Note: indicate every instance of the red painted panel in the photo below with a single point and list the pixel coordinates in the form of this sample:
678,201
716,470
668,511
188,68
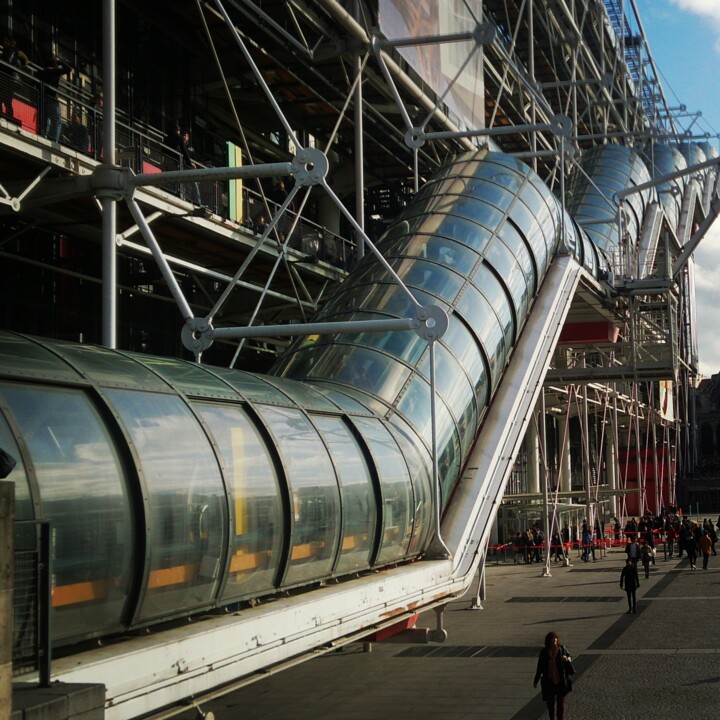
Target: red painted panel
26,114
588,333
149,167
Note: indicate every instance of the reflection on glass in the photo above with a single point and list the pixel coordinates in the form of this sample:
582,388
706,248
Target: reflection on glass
18,475
83,495
256,527
188,377
186,498
357,496
314,494
398,509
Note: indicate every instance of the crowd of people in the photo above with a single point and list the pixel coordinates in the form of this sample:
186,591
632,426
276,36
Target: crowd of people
640,536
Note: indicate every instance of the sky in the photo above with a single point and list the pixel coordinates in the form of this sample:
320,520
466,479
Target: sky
684,39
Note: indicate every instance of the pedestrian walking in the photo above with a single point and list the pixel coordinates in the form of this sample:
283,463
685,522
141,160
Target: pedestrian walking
646,557
705,544
554,668
632,550
630,582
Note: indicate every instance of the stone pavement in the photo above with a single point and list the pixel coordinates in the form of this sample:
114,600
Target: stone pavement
660,663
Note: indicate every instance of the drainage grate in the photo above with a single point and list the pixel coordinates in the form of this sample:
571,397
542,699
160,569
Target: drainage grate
572,599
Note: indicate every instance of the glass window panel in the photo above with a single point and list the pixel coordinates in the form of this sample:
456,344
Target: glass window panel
314,494
251,386
405,345
256,527
465,231
506,267
512,238
480,315
504,177
357,495
452,383
187,527
442,250
109,367
301,394
420,467
433,278
22,356
480,211
365,369
84,496
188,377
449,467
341,399
398,510
23,502
299,364
463,345
415,406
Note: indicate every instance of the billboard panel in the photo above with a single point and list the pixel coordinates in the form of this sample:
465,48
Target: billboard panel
438,63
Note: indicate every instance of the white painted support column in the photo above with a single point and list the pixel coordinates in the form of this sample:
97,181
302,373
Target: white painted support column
532,453
565,466
611,465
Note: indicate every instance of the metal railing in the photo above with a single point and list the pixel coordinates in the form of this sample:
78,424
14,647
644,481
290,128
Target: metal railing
31,647
71,118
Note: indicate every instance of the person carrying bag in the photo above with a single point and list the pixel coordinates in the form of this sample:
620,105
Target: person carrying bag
554,668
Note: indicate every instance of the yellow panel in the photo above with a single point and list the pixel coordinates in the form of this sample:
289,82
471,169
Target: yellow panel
237,443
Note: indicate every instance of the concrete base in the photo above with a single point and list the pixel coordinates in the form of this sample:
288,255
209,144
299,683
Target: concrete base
60,701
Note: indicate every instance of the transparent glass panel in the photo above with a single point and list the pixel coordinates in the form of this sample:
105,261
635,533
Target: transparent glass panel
443,251
480,314
341,399
187,526
363,368
84,496
430,277
398,510
357,496
449,466
301,394
251,387
405,345
419,465
20,356
188,377
108,367
314,494
415,406
18,475
256,516
465,231
463,345
512,238
506,267
452,383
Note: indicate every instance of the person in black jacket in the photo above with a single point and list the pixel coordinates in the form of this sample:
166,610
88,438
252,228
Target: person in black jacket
15,58
630,582
50,75
554,666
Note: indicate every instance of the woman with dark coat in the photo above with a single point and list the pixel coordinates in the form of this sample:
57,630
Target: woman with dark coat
551,673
